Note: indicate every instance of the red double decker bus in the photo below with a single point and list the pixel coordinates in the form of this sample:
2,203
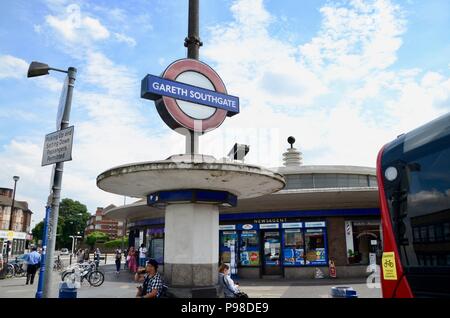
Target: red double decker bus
413,175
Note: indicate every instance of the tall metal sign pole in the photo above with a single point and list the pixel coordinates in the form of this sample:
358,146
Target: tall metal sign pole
193,43
52,220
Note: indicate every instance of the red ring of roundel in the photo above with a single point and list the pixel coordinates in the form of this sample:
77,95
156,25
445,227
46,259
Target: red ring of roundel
172,72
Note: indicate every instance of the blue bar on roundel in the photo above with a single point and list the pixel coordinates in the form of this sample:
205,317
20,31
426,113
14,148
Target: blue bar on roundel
153,87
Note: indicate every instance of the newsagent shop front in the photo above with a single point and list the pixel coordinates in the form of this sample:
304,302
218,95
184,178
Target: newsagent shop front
257,250
289,244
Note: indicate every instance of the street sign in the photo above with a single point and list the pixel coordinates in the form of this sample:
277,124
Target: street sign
191,95
62,103
58,146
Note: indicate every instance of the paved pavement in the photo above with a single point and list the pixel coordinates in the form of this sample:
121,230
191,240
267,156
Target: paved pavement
123,286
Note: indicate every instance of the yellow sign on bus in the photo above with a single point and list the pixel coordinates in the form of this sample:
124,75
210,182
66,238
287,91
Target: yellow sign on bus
389,268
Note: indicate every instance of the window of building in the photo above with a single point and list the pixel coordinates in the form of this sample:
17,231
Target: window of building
447,231
249,249
157,249
439,231
315,247
416,234
293,247
431,233
424,234
363,239
228,240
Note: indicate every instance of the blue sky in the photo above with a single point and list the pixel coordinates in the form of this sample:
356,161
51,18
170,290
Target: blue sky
344,77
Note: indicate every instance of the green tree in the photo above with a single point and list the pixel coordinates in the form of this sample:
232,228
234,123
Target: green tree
117,243
95,237
38,232
73,217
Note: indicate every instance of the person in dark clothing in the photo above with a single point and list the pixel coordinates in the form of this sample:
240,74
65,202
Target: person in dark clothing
118,260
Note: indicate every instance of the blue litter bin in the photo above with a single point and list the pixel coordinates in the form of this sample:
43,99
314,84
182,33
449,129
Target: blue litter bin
67,292
343,292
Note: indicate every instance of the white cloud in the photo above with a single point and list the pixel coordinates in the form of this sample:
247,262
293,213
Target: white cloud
77,28
125,39
338,94
12,67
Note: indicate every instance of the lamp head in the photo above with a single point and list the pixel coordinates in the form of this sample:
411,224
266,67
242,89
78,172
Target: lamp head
37,69
16,178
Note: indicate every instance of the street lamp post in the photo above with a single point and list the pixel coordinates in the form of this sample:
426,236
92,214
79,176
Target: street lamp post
15,178
74,238
52,209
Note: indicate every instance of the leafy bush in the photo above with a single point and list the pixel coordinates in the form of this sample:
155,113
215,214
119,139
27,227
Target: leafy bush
117,243
95,237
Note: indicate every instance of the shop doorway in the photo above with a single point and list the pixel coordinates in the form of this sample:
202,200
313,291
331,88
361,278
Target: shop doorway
271,249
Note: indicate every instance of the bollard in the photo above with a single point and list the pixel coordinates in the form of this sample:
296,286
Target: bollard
67,292
106,255
70,260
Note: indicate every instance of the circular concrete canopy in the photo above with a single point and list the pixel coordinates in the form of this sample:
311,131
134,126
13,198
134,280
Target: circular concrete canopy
190,172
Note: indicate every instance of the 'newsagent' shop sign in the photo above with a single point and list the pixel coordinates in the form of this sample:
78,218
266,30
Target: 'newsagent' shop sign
190,94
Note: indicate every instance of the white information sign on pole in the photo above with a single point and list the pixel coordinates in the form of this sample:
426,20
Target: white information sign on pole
58,146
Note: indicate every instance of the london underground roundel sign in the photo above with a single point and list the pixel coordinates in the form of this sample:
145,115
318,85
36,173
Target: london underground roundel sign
190,94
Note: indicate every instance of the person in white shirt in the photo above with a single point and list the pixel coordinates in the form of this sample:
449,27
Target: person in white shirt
142,255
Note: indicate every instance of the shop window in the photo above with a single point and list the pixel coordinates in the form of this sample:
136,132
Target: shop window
157,249
249,249
272,248
366,241
293,247
416,234
373,181
315,247
431,233
227,240
447,231
424,234
439,231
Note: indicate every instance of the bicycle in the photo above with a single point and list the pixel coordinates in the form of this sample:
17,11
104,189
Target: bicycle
15,270
19,271
9,270
58,265
85,271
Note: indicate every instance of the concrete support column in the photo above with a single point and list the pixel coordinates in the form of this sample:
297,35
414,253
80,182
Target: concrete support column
191,247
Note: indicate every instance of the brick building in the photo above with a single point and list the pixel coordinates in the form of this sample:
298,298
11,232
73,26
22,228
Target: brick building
19,234
98,223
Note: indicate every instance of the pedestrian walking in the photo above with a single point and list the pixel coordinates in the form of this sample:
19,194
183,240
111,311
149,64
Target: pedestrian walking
142,255
80,256
152,285
125,255
33,260
118,260
1,266
132,265
86,254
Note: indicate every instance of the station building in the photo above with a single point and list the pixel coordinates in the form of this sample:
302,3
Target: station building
324,213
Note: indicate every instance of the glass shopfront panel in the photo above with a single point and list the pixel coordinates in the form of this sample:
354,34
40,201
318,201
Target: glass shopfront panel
249,248
293,247
272,248
315,247
157,250
228,239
